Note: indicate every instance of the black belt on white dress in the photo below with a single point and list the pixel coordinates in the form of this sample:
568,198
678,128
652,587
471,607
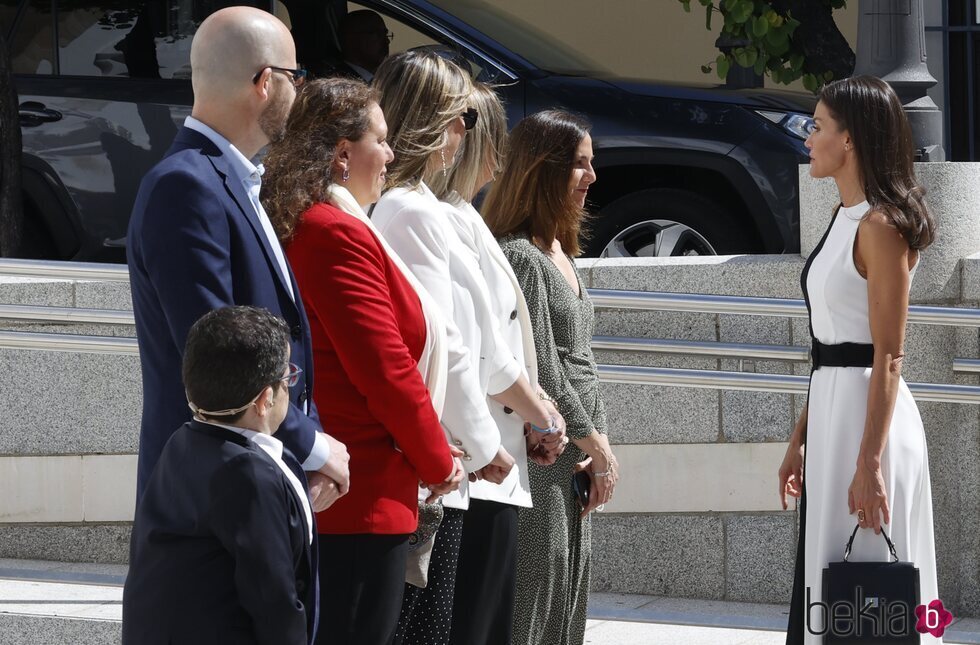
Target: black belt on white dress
841,355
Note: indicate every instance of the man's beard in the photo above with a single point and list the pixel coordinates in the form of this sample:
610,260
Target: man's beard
274,116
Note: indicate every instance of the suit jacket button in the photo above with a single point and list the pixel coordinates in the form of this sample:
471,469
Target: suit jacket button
467,458
457,443
296,332
513,315
508,410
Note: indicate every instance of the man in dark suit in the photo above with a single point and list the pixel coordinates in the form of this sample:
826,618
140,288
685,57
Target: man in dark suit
199,238
222,546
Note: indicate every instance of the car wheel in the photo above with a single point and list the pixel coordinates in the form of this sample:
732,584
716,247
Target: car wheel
666,222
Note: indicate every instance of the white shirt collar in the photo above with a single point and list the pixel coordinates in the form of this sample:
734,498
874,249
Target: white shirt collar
244,169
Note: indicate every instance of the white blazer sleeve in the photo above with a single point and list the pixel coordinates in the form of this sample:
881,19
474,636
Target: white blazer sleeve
499,366
419,238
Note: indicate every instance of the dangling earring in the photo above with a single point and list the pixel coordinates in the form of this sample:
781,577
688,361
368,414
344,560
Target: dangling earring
346,175
442,153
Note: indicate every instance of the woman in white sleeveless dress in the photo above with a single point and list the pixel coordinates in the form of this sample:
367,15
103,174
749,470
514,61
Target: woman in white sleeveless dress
865,452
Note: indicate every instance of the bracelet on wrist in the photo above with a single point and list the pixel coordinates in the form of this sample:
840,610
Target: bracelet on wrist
545,397
551,428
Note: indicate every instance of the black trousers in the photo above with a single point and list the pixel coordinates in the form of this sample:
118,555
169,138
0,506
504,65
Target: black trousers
361,581
483,607
426,614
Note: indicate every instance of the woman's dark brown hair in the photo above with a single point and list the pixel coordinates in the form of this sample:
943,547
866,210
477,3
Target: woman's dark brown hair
868,108
298,168
532,193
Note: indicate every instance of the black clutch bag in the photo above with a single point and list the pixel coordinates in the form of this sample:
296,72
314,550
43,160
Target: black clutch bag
581,487
869,603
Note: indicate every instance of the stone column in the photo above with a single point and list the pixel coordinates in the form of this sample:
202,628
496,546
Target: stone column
892,46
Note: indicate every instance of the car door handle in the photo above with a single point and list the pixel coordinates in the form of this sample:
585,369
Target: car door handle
33,114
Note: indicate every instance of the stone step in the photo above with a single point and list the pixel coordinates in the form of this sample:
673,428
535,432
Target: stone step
57,602
45,602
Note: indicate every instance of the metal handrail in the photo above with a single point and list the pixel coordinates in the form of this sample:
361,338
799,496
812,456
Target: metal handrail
968,365
752,382
754,306
68,343
629,374
37,314
702,348
65,270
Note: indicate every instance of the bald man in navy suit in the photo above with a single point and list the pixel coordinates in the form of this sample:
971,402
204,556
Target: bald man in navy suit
199,238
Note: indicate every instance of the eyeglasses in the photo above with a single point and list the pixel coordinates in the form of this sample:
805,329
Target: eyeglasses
292,377
297,76
469,118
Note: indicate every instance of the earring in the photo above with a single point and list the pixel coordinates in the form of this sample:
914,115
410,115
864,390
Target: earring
346,174
442,153
847,146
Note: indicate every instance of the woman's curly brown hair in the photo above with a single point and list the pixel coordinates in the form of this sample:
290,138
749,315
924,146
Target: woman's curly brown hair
299,168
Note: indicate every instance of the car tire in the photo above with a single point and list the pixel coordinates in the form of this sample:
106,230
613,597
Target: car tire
667,222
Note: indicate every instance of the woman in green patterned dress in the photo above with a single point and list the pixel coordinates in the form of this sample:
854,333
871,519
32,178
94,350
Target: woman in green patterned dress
535,209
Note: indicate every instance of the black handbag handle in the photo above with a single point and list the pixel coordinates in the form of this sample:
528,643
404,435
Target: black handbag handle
847,549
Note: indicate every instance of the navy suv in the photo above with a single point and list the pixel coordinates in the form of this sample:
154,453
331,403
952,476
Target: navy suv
683,170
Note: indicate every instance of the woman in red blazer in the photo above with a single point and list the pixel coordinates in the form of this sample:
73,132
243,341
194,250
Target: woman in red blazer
375,352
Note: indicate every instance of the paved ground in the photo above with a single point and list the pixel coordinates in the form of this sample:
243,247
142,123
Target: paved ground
56,602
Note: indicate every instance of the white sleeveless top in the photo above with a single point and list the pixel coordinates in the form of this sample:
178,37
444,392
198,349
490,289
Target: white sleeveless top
837,294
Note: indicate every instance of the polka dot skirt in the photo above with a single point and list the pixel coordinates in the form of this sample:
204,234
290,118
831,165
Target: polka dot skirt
427,614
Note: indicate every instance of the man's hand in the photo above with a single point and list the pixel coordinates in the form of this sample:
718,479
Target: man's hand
323,491
498,469
337,467
452,482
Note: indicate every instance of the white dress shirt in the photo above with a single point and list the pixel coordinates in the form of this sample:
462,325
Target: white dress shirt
273,447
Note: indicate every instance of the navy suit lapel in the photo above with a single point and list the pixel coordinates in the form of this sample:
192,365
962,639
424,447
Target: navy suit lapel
237,191
190,138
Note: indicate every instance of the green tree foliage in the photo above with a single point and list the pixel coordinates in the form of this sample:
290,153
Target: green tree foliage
773,43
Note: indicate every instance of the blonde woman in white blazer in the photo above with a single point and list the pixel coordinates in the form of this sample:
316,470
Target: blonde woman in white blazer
425,98
483,608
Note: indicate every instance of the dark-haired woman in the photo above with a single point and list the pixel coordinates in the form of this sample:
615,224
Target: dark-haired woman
866,459
536,208
380,351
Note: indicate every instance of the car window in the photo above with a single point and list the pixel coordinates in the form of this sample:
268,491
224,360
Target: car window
8,11
148,39
405,36
32,46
